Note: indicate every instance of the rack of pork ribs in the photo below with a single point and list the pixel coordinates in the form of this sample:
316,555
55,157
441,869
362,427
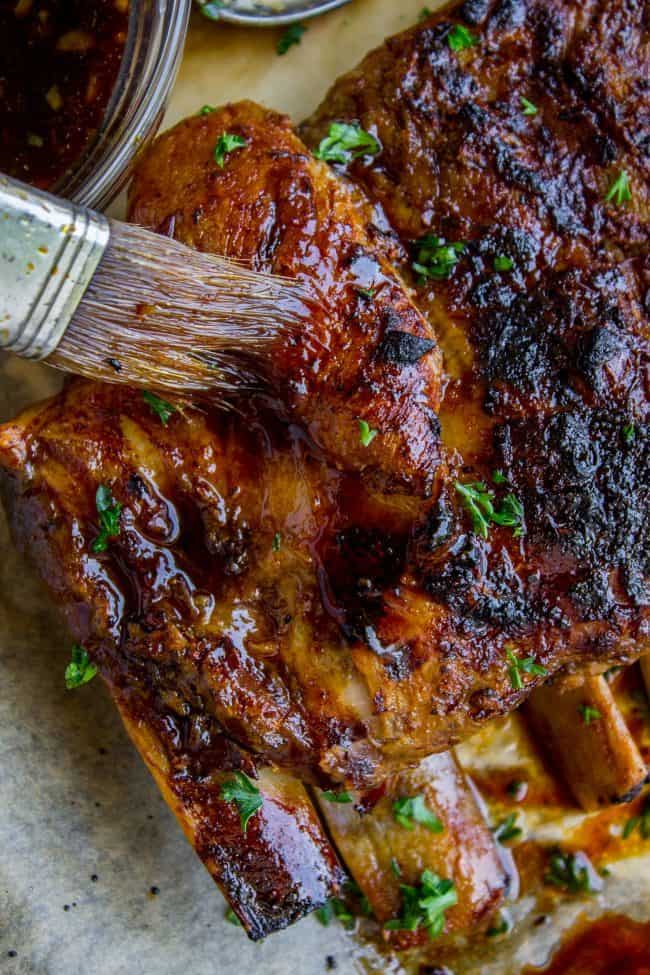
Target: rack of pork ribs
319,612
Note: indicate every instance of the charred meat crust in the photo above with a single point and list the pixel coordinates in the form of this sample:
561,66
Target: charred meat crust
380,629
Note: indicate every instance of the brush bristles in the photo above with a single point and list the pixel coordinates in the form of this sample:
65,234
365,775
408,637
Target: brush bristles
158,314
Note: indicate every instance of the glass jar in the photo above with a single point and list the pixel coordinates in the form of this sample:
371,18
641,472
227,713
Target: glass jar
152,54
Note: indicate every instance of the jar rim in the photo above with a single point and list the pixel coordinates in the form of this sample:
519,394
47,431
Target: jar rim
150,62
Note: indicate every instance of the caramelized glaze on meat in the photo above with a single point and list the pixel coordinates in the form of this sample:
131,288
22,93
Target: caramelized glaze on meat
278,209
383,628
281,592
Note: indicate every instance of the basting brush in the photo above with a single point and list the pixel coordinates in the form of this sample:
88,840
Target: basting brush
112,301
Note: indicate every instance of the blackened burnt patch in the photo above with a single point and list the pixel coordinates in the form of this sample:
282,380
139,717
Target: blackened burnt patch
585,489
404,349
555,343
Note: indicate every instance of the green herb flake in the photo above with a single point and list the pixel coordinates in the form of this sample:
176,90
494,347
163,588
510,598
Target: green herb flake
503,925
503,263
498,477
340,797
517,789
246,796
425,905
352,887
232,918
437,258
277,542
228,142
589,714
459,38
479,501
527,107
629,433
424,14
413,809
522,665
212,9
292,35
640,822
507,830
366,433
571,872
324,914
345,142
367,293
395,868
109,511
619,191
206,110
160,407
80,670
335,908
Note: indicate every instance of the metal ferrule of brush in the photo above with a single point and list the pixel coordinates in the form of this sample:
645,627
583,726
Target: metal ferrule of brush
49,251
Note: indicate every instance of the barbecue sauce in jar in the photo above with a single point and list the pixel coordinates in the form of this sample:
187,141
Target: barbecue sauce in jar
59,61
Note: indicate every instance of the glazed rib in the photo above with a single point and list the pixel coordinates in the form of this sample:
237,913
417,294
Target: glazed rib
280,591
381,854
404,620
283,866
592,750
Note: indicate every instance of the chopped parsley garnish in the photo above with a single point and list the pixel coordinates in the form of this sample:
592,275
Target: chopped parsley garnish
589,714
277,542
246,796
162,409
80,670
232,918
640,822
352,887
479,501
425,905
212,9
335,907
499,477
460,38
424,13
527,107
522,665
502,925
344,142
228,142
570,871
507,829
291,36
109,511
619,190
368,293
341,797
517,789
413,809
503,263
206,110
395,868
437,258
366,433
629,433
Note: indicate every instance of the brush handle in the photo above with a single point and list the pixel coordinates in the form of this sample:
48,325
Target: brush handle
49,251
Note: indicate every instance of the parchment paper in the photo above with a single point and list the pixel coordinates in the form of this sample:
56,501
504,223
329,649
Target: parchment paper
95,876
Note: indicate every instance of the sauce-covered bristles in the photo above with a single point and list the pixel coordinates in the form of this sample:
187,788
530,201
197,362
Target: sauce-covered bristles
160,315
